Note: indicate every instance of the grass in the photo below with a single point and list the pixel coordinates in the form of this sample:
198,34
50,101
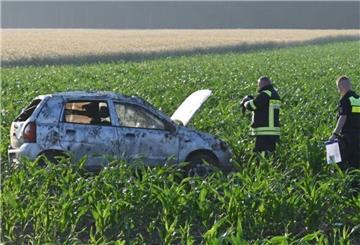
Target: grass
298,198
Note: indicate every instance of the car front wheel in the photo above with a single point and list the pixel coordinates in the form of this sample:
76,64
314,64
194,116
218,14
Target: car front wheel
201,164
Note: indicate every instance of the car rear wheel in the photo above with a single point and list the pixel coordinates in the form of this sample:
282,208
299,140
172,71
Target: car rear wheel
53,157
201,164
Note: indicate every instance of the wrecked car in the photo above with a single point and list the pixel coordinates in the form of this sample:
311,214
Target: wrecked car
105,125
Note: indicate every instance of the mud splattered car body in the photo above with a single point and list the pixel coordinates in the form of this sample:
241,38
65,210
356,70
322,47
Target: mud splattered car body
105,125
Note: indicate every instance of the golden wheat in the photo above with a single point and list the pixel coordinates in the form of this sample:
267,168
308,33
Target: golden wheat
20,44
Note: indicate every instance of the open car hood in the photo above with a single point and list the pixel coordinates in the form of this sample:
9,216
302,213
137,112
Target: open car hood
190,106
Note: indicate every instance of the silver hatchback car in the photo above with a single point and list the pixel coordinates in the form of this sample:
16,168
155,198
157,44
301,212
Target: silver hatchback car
105,126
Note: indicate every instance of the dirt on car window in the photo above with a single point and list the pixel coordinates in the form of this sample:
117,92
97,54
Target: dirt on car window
136,117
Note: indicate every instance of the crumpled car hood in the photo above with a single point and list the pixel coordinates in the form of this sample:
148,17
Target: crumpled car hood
190,106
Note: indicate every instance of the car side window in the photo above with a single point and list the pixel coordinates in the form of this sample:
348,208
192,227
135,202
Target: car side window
87,112
137,117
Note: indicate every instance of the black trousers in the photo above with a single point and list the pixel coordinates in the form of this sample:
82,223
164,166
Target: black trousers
266,143
350,150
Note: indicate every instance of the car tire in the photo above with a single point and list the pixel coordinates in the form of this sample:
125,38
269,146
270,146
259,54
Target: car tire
201,164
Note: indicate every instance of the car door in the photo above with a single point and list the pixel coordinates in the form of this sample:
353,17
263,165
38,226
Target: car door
87,130
144,136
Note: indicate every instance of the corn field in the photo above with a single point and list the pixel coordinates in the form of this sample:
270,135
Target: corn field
295,198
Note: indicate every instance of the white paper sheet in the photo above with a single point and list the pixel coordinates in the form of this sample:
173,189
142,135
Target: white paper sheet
333,153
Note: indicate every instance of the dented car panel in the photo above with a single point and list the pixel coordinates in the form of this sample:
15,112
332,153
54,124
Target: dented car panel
193,140
148,145
97,142
104,126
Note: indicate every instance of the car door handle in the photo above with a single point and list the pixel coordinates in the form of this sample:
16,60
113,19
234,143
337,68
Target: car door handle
130,135
70,131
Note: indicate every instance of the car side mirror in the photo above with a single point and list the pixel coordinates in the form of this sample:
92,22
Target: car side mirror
170,127
178,122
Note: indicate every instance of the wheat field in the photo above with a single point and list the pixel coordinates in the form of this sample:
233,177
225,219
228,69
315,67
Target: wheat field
27,44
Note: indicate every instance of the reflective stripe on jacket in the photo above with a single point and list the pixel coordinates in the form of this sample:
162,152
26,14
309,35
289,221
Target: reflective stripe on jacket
266,109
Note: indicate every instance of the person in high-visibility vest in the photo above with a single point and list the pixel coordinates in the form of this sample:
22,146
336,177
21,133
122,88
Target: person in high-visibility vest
347,129
265,119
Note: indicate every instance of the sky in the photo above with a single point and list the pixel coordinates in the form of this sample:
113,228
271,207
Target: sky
183,15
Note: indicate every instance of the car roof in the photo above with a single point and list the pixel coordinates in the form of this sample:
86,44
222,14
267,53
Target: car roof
93,94
99,95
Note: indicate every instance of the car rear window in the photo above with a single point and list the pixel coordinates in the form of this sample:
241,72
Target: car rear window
28,111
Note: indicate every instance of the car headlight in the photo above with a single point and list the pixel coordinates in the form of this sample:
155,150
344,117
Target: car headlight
220,145
224,146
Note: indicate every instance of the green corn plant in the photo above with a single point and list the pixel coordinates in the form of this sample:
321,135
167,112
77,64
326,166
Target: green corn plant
295,198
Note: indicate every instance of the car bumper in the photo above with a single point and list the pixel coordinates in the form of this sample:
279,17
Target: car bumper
28,150
225,160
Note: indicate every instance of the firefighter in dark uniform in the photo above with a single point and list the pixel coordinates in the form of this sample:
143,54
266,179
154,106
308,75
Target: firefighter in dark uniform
347,129
265,108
